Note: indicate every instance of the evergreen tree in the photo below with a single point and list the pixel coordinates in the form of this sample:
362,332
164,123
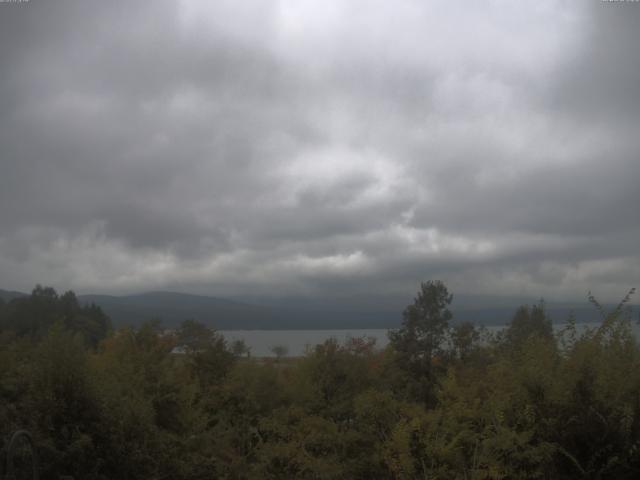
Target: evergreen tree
419,343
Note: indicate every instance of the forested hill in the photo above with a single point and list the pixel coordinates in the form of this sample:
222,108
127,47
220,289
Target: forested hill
222,314
258,314
291,313
7,295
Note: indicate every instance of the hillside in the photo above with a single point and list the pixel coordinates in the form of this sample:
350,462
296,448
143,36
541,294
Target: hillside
254,313
358,313
225,314
8,295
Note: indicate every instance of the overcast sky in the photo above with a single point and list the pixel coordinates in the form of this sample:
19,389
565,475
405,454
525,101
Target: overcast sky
320,147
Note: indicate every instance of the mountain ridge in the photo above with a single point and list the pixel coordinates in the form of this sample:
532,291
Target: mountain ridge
291,313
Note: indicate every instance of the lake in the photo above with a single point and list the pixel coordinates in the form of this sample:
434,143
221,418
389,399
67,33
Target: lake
297,341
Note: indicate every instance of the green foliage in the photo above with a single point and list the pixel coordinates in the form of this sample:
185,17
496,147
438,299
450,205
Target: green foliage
525,405
195,336
425,323
208,358
240,348
464,339
528,322
34,315
331,375
419,343
66,402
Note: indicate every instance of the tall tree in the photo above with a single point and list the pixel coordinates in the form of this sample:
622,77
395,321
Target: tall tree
529,322
209,358
464,338
420,340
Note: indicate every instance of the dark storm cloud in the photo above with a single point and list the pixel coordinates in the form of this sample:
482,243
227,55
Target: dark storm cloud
303,147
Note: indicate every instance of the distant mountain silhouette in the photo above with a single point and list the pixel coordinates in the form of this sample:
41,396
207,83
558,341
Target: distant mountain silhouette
7,295
224,314
312,313
295,313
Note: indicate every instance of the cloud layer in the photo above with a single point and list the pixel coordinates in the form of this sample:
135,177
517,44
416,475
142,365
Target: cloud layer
303,147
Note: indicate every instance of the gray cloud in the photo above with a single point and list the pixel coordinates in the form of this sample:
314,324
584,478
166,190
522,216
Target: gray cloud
326,148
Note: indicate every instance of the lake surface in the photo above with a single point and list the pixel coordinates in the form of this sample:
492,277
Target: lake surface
297,341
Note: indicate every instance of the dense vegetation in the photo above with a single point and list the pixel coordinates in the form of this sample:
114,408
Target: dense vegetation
441,401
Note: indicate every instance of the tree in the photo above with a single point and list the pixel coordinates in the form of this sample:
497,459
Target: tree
464,337
421,338
425,323
35,314
529,322
2,314
279,351
194,335
208,356
66,403
239,348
